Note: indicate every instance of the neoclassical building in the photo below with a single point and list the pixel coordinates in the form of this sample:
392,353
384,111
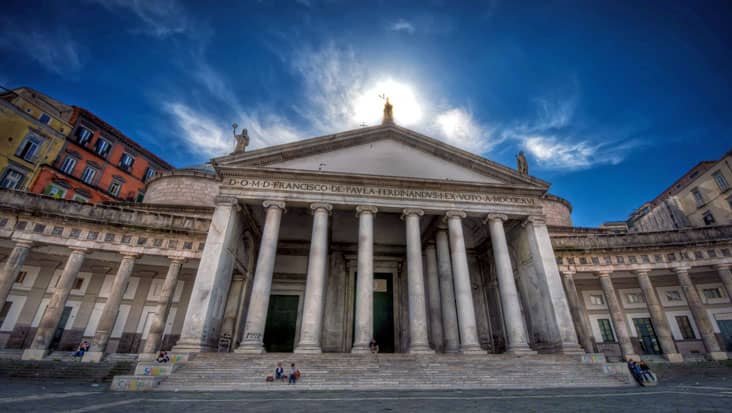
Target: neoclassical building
324,244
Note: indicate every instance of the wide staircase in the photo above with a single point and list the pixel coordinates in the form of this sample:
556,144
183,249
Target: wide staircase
230,371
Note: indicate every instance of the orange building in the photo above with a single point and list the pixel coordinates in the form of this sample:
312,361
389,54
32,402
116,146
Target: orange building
98,163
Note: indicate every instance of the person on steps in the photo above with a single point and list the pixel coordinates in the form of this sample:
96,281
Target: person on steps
280,372
373,346
163,357
83,348
294,374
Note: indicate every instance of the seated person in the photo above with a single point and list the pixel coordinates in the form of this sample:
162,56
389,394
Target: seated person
280,372
163,357
373,346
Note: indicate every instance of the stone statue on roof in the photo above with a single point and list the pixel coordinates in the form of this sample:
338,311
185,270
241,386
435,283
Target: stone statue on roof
388,112
521,165
242,139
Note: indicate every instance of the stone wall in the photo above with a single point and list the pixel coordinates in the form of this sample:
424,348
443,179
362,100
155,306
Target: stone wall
558,211
183,187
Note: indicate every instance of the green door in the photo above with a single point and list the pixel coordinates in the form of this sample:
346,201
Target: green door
725,329
647,336
383,311
279,332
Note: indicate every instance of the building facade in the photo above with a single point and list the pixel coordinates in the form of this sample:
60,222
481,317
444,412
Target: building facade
324,244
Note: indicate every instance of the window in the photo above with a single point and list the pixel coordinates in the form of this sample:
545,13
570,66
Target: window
114,188
712,293
28,149
88,175
54,191
12,179
149,173
83,135
67,166
606,330
633,298
597,299
80,198
729,201
140,196
44,119
720,180
697,197
673,295
126,161
708,218
78,283
21,277
102,147
685,327
4,311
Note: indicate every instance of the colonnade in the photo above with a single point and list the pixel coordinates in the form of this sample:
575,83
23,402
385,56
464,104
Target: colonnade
657,314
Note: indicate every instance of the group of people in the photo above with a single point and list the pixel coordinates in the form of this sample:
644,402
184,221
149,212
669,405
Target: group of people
280,375
641,371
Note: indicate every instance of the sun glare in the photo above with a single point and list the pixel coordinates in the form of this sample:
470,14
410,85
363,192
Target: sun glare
368,108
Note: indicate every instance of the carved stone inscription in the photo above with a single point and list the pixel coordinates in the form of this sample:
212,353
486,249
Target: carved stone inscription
382,192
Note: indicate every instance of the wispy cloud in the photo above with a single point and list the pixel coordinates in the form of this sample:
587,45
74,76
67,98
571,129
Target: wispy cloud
158,18
403,26
458,127
55,50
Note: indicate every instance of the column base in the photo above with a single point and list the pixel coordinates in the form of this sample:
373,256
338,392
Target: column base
674,357
521,351
421,349
308,349
572,349
192,347
250,349
93,357
34,354
472,350
360,349
717,355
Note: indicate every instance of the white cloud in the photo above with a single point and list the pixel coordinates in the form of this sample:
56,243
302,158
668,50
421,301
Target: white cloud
458,127
55,50
551,152
159,18
402,25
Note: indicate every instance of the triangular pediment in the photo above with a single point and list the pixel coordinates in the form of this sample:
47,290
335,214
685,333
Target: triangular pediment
387,151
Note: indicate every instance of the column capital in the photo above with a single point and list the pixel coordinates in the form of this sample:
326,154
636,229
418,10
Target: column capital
605,272
534,220
493,217
318,205
369,209
641,271
412,211
130,254
430,244
722,267
568,273
25,243
274,204
80,250
174,259
226,201
455,213
681,269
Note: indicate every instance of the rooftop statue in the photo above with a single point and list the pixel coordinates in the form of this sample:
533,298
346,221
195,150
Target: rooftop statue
388,113
521,165
242,139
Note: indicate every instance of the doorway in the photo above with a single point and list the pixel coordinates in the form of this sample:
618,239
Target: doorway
59,332
647,336
279,331
383,315
725,330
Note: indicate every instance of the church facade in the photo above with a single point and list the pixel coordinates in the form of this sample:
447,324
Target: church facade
330,244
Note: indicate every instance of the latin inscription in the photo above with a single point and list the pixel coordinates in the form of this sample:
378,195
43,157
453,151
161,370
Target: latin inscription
363,190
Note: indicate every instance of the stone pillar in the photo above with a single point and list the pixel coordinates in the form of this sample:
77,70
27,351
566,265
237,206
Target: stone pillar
469,342
433,287
44,334
516,340
447,292
658,317
578,312
201,325
12,267
312,317
545,263
157,327
418,341
110,310
726,276
618,316
700,314
364,322
259,301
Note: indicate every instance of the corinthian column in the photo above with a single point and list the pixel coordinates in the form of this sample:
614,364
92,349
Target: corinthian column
157,327
469,342
516,341
364,323
701,317
578,312
447,292
12,267
259,301
111,308
418,341
52,316
658,316
433,286
618,315
312,319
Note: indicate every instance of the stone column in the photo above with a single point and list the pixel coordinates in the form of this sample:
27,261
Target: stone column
157,327
618,315
110,310
578,312
516,340
469,342
726,276
433,287
312,317
200,331
447,292
700,314
12,267
44,334
418,341
259,301
364,322
658,317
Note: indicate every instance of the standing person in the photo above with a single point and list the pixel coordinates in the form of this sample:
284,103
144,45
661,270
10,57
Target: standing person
294,374
280,372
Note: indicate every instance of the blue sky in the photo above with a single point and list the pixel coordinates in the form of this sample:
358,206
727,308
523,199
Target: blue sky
611,102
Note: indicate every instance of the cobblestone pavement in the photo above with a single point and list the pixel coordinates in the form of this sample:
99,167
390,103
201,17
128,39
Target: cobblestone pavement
697,391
